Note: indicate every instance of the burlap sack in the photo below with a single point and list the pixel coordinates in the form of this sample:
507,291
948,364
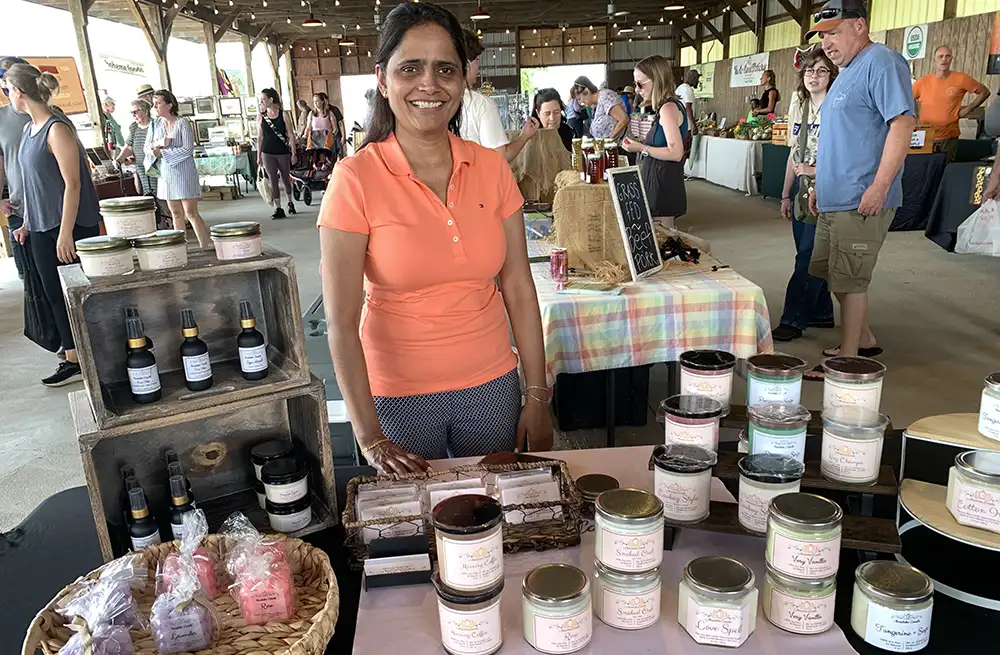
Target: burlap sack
587,226
537,165
567,178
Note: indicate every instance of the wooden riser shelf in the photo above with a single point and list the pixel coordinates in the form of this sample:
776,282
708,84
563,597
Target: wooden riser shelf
886,485
960,430
928,503
738,419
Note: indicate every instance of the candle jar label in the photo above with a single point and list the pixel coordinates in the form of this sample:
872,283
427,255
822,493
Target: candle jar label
718,387
197,367
847,394
564,635
755,499
804,616
471,633
850,460
805,559
778,442
989,416
630,611
684,497
253,360
152,259
787,391
718,626
144,380
472,565
632,552
898,631
975,506
705,435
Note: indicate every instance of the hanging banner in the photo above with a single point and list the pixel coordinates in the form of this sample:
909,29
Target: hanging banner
993,64
706,83
915,42
746,70
123,66
70,97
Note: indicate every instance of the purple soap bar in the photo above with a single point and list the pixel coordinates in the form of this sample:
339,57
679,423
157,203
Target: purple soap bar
108,640
181,631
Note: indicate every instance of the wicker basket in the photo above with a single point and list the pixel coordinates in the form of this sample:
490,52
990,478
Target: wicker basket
317,604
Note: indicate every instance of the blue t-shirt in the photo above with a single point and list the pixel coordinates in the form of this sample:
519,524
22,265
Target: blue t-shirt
868,93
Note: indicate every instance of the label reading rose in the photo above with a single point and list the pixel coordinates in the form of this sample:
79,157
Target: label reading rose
563,635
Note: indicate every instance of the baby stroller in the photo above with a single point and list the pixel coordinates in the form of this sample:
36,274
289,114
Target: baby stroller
311,173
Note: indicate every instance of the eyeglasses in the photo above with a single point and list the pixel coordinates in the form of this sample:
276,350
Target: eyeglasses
6,91
815,72
136,111
827,14
639,84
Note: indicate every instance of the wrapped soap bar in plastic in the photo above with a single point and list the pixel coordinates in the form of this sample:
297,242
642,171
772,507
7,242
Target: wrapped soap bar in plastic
130,573
195,530
262,580
92,614
183,618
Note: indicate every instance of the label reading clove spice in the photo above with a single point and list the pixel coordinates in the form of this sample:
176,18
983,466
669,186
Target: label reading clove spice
197,367
144,380
253,360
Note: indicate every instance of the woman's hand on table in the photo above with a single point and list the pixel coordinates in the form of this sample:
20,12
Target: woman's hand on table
631,145
388,458
534,429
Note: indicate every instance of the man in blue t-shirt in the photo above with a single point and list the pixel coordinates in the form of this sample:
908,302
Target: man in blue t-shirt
868,118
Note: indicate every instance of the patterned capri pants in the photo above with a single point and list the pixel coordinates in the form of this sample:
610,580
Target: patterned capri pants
464,423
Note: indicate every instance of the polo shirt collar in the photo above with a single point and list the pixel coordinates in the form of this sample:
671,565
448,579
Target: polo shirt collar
395,160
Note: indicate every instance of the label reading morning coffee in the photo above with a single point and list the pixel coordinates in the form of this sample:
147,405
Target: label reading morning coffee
253,360
197,367
975,506
898,631
717,626
563,635
850,460
777,442
684,497
705,435
631,552
472,565
989,417
144,380
718,387
760,391
804,559
804,616
630,611
842,394
471,633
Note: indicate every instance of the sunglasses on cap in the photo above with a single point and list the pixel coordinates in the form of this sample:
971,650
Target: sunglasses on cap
838,13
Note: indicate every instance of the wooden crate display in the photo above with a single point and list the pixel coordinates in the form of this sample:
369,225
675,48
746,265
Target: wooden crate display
213,289
214,447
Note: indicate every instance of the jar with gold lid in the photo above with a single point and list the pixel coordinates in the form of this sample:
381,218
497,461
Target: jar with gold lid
161,249
590,487
468,532
104,256
628,530
717,601
557,609
892,605
240,240
803,536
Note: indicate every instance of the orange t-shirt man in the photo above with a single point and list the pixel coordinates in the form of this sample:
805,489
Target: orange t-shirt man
941,100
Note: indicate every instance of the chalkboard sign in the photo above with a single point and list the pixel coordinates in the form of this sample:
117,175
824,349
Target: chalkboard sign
635,221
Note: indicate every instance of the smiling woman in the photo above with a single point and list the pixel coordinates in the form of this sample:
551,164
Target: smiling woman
426,223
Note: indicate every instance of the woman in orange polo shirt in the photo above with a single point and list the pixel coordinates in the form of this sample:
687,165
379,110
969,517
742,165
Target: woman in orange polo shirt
425,222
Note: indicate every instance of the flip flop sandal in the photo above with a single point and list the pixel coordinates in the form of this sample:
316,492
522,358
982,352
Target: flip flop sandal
874,351
816,374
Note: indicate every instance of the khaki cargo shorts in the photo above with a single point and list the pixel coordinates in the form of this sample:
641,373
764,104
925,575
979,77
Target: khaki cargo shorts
846,248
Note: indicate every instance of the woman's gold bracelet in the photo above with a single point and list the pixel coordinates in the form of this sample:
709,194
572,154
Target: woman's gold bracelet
543,401
378,442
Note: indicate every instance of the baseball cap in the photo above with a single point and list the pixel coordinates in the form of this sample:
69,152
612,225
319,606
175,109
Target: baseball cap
834,12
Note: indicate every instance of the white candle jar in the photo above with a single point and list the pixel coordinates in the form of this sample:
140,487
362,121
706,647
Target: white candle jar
774,378
161,250
804,607
590,487
627,601
717,601
974,489
286,480
852,382
682,480
708,373
803,536
628,530
557,609
691,421
468,533
240,240
470,623
892,605
763,478
289,517
852,444
129,217
989,408
778,429
105,256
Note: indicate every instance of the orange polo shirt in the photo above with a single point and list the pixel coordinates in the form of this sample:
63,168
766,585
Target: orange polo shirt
941,100
433,319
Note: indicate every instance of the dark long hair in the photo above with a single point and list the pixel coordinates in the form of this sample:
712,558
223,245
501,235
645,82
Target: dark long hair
815,56
543,96
272,95
168,97
401,20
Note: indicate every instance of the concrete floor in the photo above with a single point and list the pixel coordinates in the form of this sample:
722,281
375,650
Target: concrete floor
937,315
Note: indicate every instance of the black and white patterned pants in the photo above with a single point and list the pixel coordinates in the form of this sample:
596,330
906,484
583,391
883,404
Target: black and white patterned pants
464,423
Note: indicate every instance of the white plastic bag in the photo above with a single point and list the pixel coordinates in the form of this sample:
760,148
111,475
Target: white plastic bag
264,186
979,234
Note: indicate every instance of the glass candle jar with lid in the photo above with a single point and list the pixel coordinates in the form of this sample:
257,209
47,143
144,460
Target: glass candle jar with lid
852,382
162,249
682,480
774,378
557,609
105,256
989,408
708,373
763,478
892,605
804,607
628,530
239,240
628,601
692,421
468,532
129,216
717,601
803,536
852,444
778,429
590,487
470,623
974,489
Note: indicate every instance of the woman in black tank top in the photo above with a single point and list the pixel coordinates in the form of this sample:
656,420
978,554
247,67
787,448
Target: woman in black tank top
276,149
768,103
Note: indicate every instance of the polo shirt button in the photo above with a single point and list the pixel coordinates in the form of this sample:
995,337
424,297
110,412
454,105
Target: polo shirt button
455,239
452,187
451,222
451,204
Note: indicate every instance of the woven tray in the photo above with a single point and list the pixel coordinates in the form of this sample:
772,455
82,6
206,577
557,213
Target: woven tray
534,535
317,603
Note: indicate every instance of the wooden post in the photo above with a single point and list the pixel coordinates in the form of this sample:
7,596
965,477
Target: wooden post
213,70
699,38
806,22
78,11
727,32
248,66
761,24
950,9
158,27
287,53
272,57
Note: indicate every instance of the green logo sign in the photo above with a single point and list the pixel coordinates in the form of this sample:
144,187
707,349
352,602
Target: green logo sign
914,42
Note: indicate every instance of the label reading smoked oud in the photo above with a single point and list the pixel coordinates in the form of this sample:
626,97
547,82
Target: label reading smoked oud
631,552
144,380
630,611
253,360
197,367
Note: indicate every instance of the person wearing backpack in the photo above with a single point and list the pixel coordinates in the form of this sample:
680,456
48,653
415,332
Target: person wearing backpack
276,151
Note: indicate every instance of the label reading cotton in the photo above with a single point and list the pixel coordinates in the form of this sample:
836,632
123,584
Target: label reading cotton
144,380
197,367
253,360
898,631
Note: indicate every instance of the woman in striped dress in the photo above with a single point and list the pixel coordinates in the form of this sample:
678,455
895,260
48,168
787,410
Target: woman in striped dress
170,147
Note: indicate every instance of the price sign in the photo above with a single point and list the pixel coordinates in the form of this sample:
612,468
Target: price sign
635,221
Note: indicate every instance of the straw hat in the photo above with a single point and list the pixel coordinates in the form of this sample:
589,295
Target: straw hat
143,90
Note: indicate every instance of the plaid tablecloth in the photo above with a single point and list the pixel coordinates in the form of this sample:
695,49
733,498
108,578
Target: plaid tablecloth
651,321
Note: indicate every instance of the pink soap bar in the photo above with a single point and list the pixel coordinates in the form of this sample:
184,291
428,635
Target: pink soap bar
205,564
270,599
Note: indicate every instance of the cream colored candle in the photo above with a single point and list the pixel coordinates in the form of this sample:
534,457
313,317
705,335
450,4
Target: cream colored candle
892,606
717,601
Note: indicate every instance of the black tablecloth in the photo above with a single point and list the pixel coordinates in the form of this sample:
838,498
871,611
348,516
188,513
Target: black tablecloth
921,179
953,204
